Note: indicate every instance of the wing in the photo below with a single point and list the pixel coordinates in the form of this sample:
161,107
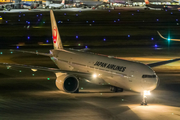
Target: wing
37,53
162,62
167,38
55,70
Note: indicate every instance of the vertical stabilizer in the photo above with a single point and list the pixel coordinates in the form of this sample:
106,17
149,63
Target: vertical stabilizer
55,32
63,2
147,2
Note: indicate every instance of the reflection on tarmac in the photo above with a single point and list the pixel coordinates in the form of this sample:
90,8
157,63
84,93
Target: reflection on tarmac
27,96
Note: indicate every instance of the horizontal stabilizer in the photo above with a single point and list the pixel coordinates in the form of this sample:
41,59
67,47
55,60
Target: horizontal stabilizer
162,62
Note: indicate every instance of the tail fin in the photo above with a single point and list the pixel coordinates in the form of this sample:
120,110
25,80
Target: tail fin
55,33
147,2
63,2
105,0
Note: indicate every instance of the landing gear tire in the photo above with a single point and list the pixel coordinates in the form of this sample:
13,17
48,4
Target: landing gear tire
116,89
144,101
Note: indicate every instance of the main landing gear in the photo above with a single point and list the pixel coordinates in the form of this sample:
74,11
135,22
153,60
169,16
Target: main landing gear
116,89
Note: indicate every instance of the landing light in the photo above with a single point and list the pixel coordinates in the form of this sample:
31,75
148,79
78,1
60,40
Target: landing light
147,92
94,75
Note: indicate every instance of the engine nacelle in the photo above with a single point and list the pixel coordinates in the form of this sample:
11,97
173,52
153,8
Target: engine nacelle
67,83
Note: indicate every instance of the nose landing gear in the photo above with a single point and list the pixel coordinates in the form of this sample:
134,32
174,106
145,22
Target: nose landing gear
144,100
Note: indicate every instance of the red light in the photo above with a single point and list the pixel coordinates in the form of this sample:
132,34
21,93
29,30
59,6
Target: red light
54,34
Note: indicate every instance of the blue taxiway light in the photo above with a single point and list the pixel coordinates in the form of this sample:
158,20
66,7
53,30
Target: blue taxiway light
28,37
114,21
59,21
23,14
157,19
137,10
152,38
128,35
76,36
171,13
118,19
18,19
104,39
155,45
19,15
109,11
132,14
28,22
67,19
41,14
17,47
76,14
37,15
86,46
47,41
176,19
119,13
93,21
6,21
64,13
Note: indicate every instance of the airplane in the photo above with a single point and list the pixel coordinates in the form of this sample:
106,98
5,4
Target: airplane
30,5
162,7
74,66
167,38
93,4
5,6
56,5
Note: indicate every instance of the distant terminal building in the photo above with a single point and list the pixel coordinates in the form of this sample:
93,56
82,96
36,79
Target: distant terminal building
113,2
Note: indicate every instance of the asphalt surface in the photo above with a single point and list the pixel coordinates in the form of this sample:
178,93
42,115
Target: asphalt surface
29,95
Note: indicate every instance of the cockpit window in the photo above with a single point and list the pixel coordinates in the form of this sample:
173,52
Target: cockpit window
149,76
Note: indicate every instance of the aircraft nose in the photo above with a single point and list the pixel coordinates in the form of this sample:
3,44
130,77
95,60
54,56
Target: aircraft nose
150,83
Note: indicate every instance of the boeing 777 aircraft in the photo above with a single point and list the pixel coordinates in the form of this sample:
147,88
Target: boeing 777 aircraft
56,5
163,7
93,4
118,73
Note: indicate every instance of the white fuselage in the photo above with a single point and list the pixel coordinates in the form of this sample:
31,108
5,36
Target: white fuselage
116,72
54,5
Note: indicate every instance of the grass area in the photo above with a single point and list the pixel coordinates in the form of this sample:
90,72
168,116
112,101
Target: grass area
92,27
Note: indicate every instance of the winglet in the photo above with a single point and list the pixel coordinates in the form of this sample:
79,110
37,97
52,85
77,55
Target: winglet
55,32
161,35
167,38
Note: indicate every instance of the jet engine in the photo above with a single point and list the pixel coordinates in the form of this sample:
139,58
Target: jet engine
67,83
